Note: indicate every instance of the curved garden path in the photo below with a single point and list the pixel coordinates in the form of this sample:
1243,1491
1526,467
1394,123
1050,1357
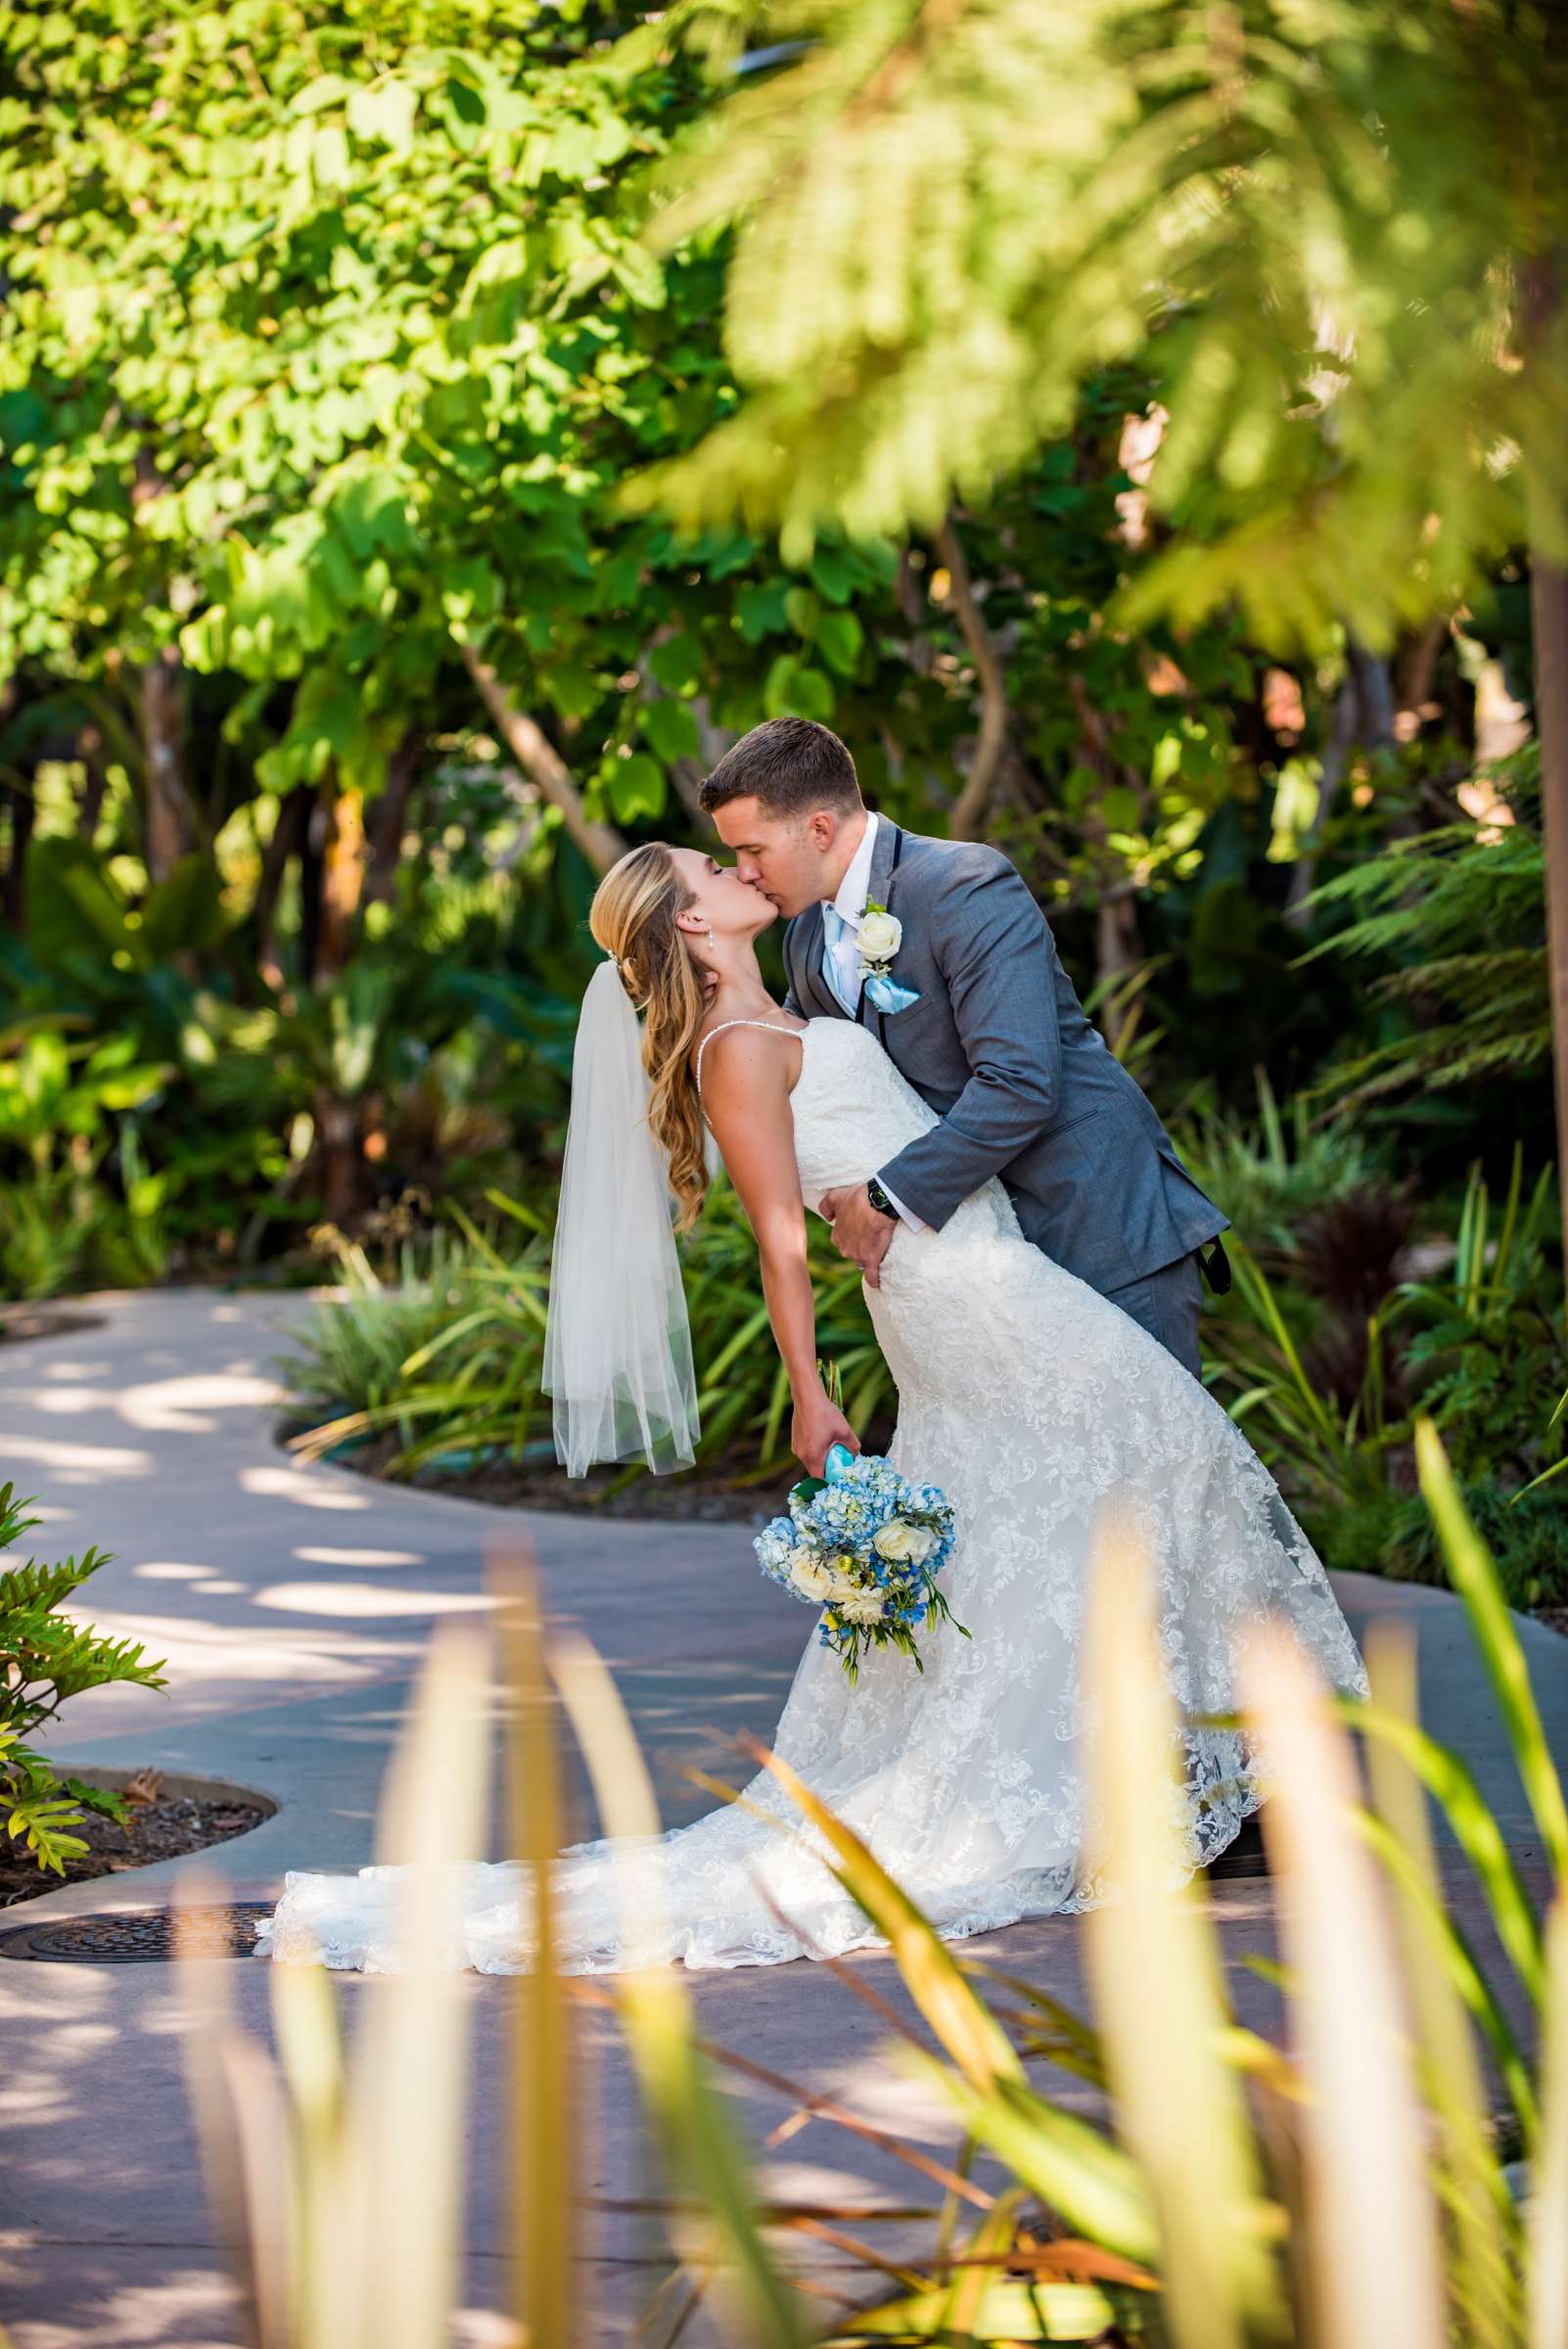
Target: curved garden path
292,1604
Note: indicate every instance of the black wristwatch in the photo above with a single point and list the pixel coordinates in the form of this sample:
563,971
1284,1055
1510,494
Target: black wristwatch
880,1200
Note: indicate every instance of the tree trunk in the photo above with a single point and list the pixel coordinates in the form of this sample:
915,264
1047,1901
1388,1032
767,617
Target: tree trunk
288,835
1542,285
312,840
1118,950
14,891
338,1119
168,827
167,835
543,764
340,1158
1548,617
387,814
1363,714
1417,669
969,809
343,877
1118,938
93,752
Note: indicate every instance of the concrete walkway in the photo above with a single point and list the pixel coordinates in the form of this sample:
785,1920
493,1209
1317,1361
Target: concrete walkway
292,1604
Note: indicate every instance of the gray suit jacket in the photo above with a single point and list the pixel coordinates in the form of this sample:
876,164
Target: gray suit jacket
1001,1049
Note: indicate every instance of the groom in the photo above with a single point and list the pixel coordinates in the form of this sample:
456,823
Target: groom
974,1007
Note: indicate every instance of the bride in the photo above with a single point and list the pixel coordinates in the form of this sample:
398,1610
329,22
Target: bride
1027,1396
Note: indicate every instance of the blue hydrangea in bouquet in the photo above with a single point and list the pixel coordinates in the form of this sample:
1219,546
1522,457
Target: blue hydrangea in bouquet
865,1544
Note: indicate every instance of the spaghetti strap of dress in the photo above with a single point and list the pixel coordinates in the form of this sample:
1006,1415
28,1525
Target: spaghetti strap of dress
776,1025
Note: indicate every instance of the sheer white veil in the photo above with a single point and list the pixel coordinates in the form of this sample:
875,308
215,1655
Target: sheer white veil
616,1340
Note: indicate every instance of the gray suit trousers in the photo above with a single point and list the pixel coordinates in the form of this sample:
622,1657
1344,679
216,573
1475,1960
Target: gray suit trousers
1167,1304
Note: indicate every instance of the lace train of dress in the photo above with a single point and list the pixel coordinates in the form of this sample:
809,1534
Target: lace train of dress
1032,1402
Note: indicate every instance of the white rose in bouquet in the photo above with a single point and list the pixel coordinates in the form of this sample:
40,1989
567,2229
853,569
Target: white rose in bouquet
881,936
809,1576
903,1543
865,1607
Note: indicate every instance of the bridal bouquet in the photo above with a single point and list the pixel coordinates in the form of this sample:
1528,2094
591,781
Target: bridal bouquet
866,1546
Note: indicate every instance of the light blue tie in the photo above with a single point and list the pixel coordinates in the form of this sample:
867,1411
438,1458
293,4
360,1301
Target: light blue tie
834,925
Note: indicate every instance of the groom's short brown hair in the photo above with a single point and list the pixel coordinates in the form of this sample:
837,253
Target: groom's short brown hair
790,764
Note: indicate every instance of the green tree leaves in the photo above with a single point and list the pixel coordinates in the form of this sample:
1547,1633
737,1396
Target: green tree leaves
1309,220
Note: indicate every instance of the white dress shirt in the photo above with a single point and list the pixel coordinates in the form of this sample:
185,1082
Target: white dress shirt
841,964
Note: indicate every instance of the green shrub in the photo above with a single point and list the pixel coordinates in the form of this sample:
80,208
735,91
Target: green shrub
45,1658
1487,1343
1527,1533
1457,920
1270,1175
449,1356
351,1356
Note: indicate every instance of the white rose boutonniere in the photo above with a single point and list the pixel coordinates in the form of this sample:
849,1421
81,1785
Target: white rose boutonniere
881,936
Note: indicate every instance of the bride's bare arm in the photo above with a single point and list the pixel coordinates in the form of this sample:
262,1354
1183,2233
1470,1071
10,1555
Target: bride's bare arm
747,1097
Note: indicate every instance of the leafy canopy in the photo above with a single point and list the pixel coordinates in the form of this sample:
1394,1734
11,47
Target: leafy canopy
1312,213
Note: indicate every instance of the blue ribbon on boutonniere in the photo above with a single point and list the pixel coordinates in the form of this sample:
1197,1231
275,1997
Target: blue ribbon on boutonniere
881,936
887,994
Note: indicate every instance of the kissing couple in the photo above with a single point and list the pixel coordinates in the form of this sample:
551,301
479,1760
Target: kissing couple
1031,1250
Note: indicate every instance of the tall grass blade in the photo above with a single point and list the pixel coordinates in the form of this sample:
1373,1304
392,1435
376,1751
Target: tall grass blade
965,2027
1459,1963
408,2074
327,2198
699,2140
1476,1579
1013,2308
1484,2236
1154,1967
1453,1782
1077,2171
1373,2260
990,2239
1546,2228
240,2126
547,2089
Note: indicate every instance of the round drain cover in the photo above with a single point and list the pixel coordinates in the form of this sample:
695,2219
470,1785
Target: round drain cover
138,1936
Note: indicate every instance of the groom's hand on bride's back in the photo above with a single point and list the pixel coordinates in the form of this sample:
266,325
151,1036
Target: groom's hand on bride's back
860,1232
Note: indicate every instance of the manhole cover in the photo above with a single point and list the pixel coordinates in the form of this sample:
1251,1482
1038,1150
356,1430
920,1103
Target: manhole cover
137,1936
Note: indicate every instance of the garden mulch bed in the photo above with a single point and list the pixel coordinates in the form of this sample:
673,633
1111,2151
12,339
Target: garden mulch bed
163,1827
18,1322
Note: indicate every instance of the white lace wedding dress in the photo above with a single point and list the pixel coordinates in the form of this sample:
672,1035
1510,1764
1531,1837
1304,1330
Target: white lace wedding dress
1030,1400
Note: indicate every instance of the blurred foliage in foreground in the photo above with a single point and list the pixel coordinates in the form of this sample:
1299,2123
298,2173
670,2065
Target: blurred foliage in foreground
1329,227
1195,2185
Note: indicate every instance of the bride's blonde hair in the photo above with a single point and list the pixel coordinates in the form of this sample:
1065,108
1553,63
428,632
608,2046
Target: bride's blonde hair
633,918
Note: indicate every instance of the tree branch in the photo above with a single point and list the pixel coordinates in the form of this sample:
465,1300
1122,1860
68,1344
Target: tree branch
969,809
384,827
543,764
